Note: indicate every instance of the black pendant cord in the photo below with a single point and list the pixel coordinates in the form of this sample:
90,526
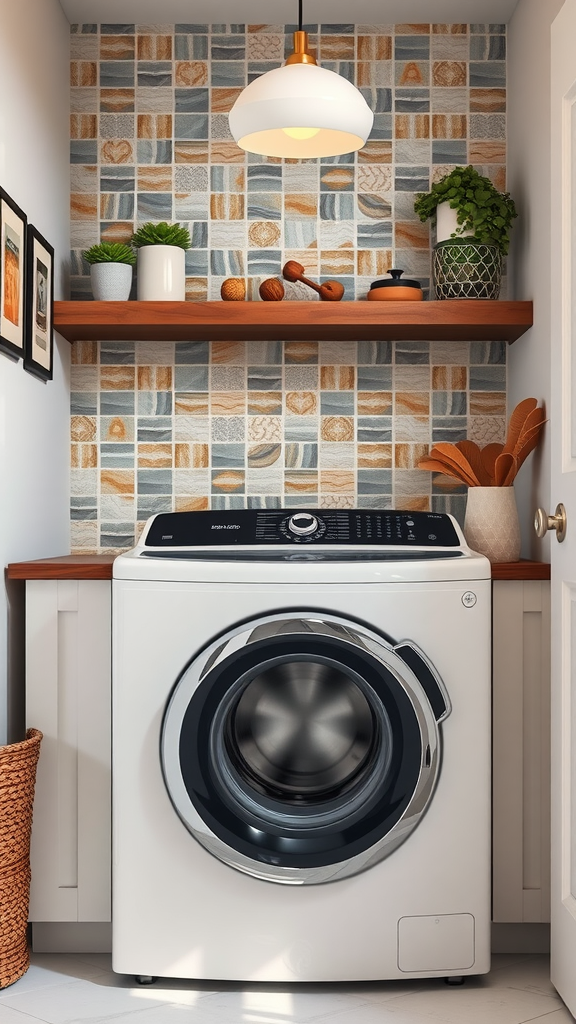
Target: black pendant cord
299,15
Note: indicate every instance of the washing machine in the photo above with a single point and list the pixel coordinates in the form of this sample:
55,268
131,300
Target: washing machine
301,748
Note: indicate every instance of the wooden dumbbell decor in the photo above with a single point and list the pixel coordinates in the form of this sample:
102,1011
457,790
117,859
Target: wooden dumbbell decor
271,290
233,289
330,291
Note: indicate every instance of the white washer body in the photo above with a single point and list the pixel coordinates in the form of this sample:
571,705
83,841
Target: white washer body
178,910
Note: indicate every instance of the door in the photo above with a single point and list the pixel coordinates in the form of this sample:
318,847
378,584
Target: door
302,747
563,438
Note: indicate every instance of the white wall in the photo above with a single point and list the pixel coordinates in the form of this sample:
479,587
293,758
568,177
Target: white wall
528,132
34,416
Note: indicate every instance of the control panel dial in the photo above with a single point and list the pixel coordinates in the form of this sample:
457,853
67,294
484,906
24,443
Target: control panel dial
302,524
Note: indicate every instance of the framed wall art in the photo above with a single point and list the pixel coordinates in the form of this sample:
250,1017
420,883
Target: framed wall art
12,283
39,305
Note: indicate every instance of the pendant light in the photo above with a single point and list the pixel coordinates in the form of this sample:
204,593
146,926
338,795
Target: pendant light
300,110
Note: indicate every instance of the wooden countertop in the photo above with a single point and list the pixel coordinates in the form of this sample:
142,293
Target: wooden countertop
99,567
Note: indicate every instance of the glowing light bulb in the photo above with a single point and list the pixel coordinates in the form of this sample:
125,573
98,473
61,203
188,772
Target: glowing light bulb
301,133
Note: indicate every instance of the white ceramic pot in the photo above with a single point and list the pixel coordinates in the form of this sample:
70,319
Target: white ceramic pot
447,223
491,525
161,273
111,282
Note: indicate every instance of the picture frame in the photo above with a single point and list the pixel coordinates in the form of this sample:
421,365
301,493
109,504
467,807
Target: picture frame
13,226
39,312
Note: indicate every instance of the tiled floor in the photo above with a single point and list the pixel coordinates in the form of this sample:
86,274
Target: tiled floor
65,989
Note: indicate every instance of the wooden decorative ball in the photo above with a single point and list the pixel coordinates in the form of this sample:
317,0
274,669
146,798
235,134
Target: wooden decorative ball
233,289
271,290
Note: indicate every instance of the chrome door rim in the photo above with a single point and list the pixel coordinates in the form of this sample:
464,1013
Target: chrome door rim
303,623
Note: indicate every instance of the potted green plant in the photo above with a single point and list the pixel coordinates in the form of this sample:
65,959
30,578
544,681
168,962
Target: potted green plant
110,270
473,221
161,261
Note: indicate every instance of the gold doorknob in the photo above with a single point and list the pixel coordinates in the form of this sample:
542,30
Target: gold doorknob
543,522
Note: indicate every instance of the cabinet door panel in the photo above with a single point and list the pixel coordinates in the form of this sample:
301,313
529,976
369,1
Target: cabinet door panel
68,698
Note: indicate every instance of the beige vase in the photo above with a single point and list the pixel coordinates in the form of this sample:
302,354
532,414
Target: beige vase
491,525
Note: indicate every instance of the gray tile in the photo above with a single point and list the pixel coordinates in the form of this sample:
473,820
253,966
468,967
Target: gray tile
154,429
231,456
154,481
188,377
116,403
376,429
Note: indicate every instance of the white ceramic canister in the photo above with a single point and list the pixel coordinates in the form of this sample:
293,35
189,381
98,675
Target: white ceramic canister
447,224
161,273
491,524
111,282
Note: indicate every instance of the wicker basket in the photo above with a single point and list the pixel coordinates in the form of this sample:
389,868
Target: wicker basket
17,778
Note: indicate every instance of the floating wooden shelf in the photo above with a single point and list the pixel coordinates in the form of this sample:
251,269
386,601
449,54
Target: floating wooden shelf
451,320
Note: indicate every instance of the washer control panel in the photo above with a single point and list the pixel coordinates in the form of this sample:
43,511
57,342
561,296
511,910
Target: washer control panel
250,527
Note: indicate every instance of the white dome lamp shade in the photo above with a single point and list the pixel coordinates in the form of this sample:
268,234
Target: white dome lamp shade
300,111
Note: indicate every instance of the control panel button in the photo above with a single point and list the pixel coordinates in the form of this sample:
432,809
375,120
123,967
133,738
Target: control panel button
469,599
302,524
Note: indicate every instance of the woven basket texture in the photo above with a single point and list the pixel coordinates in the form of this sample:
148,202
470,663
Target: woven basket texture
17,778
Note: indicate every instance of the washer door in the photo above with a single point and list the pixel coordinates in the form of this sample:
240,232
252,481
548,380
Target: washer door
303,747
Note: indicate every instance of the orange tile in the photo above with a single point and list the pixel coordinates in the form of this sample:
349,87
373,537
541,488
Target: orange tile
264,403
337,48
191,405
449,126
184,504
196,289
154,126
374,47
118,430
228,403
302,403
154,47
222,100
337,261
455,30
301,351
156,178
373,262
229,206
337,178
410,29
226,153
487,403
85,353
116,151
83,206
301,482
117,378
487,152
83,428
376,152
83,73
374,456
229,481
337,481
407,456
411,234
117,101
116,47
412,403
192,72
264,234
83,126
301,205
374,403
337,428
337,378
154,456
231,352
451,73
192,152
488,101
117,481
119,231
449,378
413,503
412,74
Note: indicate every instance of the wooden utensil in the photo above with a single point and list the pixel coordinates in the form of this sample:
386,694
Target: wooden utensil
504,469
472,452
447,452
330,291
490,453
440,467
517,419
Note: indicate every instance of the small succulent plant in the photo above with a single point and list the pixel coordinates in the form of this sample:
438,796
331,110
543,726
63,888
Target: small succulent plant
110,252
161,234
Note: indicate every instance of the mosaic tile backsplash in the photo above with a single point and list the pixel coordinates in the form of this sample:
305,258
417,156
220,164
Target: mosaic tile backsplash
164,426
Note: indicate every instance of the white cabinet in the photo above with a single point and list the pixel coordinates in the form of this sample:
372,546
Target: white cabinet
68,697
521,751
68,693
